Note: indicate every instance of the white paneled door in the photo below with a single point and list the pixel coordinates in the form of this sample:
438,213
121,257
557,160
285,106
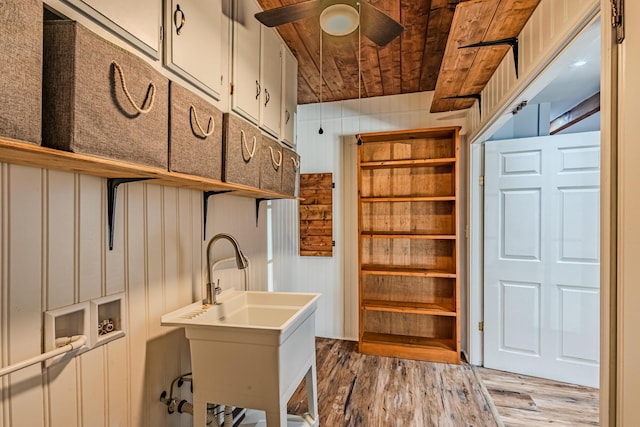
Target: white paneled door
541,287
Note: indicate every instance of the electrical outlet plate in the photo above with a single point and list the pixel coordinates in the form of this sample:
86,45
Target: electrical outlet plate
108,319
66,322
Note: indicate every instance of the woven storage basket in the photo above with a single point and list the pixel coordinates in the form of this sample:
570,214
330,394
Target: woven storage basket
241,142
290,172
271,161
195,134
21,69
101,100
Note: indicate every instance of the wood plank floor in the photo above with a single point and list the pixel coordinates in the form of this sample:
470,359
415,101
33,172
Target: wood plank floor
528,401
370,391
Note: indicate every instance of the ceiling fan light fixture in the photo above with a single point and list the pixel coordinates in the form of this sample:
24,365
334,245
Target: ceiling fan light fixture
339,19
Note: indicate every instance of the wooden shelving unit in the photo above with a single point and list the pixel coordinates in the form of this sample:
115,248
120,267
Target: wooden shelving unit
408,244
23,153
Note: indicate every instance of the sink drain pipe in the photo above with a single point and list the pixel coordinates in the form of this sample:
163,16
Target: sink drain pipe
185,407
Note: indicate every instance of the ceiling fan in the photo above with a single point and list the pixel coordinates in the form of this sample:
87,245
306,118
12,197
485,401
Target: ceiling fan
338,17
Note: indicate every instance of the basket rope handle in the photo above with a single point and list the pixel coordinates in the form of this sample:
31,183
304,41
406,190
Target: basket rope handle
243,138
210,126
277,164
152,91
296,163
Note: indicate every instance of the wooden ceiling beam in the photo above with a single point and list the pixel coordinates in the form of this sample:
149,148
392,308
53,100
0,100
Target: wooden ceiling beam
585,109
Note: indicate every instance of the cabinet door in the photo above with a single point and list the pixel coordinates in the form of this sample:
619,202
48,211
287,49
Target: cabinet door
289,95
192,42
245,98
271,80
138,22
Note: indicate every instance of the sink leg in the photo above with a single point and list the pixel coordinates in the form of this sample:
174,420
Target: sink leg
312,391
277,419
199,413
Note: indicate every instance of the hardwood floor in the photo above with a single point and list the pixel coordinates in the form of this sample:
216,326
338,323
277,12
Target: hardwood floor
529,401
370,391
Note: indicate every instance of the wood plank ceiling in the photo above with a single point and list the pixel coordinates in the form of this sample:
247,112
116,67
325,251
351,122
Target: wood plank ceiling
414,61
408,64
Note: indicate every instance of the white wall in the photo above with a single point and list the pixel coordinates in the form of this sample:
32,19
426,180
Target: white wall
53,253
333,151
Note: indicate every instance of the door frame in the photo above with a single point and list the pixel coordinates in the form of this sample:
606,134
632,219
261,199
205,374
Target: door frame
608,207
476,189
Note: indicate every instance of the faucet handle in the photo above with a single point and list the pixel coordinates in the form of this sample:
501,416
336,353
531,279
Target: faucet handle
217,288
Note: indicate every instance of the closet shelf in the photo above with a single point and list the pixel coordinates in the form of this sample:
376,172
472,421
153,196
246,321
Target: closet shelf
408,199
409,163
386,270
440,349
400,235
23,153
408,307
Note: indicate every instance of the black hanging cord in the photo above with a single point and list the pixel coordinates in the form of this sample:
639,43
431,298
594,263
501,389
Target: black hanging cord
320,131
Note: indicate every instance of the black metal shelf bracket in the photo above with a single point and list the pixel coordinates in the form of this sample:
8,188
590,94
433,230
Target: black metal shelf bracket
475,96
205,208
510,41
112,196
258,201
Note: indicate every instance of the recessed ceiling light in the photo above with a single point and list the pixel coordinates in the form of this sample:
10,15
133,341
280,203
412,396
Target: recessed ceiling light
579,63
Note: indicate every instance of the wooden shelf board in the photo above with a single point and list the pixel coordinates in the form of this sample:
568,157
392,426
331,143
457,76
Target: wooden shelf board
396,235
402,135
421,348
390,164
384,270
408,307
325,253
408,199
23,153
467,71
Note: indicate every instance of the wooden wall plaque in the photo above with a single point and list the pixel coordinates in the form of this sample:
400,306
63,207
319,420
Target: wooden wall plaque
316,214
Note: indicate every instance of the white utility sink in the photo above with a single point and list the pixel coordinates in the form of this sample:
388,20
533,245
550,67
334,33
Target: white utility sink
251,351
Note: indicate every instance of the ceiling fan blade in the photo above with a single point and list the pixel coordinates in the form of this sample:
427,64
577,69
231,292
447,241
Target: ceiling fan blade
289,13
379,27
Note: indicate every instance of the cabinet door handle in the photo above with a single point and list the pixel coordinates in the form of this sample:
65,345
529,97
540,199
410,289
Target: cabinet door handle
266,96
183,19
258,90
287,116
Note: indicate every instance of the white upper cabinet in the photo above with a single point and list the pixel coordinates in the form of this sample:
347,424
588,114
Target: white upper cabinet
138,21
271,81
246,91
289,95
193,34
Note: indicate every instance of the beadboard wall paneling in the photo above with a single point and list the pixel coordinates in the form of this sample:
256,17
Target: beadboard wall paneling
285,243
53,253
334,151
237,216
22,277
552,25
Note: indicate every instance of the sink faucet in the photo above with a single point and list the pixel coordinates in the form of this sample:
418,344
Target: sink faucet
241,263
